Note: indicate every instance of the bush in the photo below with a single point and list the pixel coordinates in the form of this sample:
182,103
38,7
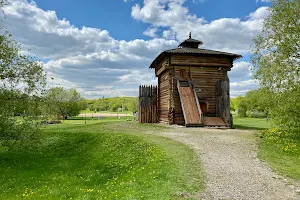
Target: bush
13,129
255,114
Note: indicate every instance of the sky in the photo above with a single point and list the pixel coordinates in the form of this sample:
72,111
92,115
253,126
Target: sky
104,47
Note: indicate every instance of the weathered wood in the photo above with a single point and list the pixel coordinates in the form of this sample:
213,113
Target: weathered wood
148,104
204,81
208,75
223,101
164,96
196,60
191,112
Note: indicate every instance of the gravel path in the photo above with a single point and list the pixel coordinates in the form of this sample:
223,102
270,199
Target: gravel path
232,168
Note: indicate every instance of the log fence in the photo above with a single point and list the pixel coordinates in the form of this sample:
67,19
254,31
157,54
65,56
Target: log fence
148,104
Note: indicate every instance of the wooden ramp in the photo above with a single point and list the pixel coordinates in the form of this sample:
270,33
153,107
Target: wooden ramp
190,105
216,122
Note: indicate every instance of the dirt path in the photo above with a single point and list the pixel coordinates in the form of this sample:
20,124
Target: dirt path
229,158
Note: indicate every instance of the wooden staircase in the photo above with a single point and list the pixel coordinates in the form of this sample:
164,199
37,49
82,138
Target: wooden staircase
189,103
192,113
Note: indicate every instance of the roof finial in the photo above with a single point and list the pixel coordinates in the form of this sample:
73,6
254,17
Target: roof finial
190,35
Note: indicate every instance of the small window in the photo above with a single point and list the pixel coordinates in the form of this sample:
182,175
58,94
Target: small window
182,73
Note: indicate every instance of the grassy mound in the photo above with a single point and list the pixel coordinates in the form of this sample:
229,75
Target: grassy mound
99,161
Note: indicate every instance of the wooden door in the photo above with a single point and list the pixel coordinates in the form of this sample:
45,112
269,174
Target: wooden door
203,107
182,74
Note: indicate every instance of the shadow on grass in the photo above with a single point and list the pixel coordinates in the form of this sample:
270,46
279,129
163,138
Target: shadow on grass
80,118
243,127
101,118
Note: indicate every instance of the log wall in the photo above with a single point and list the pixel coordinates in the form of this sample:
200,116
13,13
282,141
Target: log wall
204,80
164,95
162,66
223,101
203,60
204,72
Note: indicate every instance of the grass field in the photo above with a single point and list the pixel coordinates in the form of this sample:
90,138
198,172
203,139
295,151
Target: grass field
281,154
105,159
105,112
250,123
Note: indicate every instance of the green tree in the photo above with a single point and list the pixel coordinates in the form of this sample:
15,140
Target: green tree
64,103
239,105
276,57
276,50
242,108
21,81
259,101
286,111
133,104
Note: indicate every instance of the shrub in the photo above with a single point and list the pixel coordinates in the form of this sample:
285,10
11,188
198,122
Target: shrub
255,114
13,129
242,109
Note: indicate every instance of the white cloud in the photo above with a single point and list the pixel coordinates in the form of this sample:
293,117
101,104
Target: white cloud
227,34
240,71
242,87
260,13
96,64
139,77
264,1
198,1
151,32
41,31
81,57
114,92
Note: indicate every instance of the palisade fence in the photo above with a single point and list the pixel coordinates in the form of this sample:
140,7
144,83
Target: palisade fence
148,104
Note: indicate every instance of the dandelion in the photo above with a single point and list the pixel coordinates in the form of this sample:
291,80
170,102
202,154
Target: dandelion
89,190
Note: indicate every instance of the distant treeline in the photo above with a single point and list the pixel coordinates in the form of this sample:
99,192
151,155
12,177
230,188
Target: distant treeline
113,104
255,104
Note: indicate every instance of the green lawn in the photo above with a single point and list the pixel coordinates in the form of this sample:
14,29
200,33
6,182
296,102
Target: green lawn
251,123
282,154
105,112
105,159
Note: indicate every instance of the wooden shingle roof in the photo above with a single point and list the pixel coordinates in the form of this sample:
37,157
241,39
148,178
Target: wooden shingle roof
192,51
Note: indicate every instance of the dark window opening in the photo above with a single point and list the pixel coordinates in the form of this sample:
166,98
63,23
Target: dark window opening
182,73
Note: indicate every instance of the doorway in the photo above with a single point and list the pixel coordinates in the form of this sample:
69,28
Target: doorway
203,107
182,74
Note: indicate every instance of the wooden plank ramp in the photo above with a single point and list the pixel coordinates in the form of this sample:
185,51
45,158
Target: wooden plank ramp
191,110
214,122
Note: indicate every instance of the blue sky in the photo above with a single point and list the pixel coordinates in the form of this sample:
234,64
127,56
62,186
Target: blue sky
115,15
104,48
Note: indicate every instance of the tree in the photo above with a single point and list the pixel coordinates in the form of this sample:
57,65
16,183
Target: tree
21,81
259,100
239,105
242,108
61,102
133,104
276,50
276,57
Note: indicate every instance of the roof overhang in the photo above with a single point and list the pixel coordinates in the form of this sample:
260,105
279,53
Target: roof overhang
204,52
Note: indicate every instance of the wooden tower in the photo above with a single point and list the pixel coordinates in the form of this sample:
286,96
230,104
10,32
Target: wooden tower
193,86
